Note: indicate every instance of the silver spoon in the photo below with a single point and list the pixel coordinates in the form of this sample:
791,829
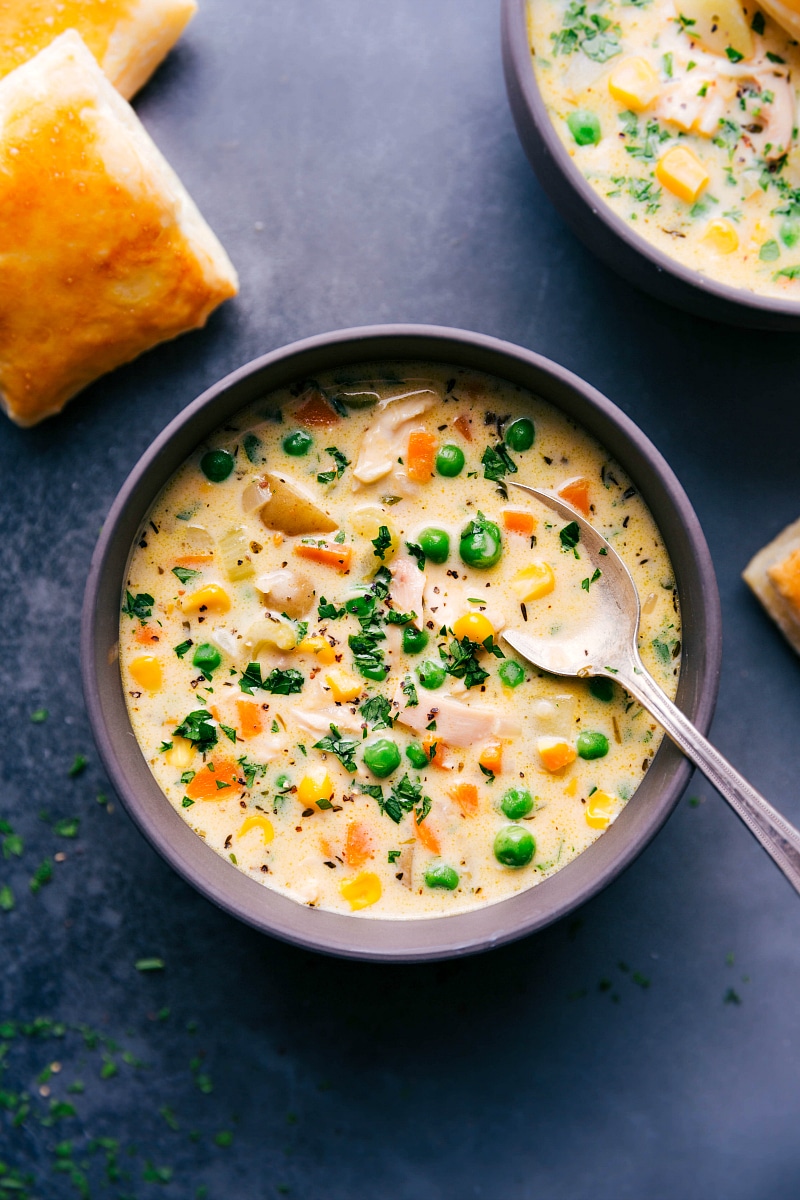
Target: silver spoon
608,646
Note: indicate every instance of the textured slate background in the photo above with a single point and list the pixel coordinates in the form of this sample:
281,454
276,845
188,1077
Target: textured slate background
360,164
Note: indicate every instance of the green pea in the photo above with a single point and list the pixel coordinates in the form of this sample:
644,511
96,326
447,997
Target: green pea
417,756
592,744
517,803
481,544
382,757
414,640
450,461
441,876
601,688
207,658
216,465
790,233
298,443
520,434
584,127
511,673
360,606
435,544
514,846
431,675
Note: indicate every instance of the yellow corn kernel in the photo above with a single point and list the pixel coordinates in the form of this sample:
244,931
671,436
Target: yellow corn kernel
257,822
682,173
600,810
319,646
343,685
634,83
555,753
475,626
313,788
721,236
572,787
535,581
213,598
362,890
181,754
146,670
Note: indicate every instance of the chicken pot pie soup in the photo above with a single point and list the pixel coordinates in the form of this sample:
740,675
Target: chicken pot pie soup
311,642
682,116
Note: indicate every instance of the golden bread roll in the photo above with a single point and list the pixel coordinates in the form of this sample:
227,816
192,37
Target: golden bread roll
129,38
774,576
103,254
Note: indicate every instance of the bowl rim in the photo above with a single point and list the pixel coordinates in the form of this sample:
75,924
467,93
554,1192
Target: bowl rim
517,50
381,939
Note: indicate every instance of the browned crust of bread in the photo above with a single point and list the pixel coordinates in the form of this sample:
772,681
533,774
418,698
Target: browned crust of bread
774,576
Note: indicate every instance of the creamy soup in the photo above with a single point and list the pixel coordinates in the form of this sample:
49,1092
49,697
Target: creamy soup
682,117
312,654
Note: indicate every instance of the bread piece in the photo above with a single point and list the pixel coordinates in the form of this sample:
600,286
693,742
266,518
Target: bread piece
128,38
102,252
774,576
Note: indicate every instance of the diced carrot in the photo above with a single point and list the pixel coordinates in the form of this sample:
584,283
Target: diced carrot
212,708
427,836
146,635
491,756
462,424
328,555
555,753
357,845
277,539
421,456
437,753
519,522
250,722
315,410
215,781
576,493
194,560
466,797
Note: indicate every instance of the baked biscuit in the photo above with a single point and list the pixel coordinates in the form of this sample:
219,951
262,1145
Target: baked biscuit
774,576
129,38
102,252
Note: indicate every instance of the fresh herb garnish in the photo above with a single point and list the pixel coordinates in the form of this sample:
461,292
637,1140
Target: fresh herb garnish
184,574
184,648
460,661
252,448
592,33
587,583
196,728
341,465
139,606
328,612
418,553
343,747
368,658
734,56
382,542
278,682
393,617
569,537
410,692
230,733
497,463
394,855
377,711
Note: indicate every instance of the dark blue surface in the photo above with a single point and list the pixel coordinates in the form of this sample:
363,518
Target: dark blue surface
360,164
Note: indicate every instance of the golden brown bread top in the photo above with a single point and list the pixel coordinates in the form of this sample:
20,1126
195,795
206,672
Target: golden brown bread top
774,576
129,38
785,575
105,253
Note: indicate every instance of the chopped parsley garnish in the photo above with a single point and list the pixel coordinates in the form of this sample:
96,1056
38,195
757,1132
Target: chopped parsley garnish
460,661
184,648
139,606
229,732
382,542
393,617
302,630
587,583
497,463
757,23
184,574
734,56
642,145
187,776
328,612
196,728
368,658
405,797
592,33
787,273
341,465
775,58
277,683
39,716
343,747
394,855
665,648
410,692
377,711
381,583
569,537
418,553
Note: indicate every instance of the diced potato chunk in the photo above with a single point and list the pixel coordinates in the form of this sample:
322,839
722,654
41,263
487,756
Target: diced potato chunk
634,83
235,550
291,511
181,754
682,173
718,24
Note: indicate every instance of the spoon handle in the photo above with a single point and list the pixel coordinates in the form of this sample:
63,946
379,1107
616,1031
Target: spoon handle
780,839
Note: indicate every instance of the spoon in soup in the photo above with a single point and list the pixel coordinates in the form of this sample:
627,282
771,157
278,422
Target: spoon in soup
607,646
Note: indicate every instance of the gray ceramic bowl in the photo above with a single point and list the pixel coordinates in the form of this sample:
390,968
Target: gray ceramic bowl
370,938
598,226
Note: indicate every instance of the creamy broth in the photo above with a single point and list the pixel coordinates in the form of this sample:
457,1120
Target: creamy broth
311,642
682,117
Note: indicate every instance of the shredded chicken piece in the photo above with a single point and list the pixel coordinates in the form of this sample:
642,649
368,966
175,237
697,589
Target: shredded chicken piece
319,720
384,441
457,724
408,586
